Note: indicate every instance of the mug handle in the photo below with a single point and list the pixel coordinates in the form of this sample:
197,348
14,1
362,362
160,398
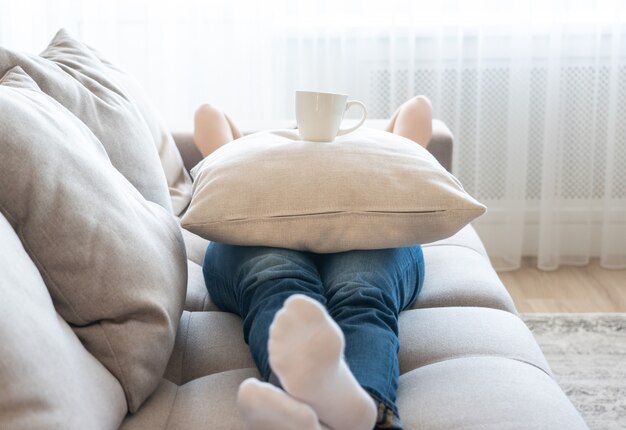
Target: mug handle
349,104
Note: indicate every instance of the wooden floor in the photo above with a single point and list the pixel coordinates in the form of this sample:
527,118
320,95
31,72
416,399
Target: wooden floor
568,289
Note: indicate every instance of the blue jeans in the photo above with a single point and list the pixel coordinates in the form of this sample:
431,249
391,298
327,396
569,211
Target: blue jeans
363,291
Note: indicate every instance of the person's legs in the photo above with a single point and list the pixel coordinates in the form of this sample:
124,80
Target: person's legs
266,286
413,120
212,129
254,282
365,292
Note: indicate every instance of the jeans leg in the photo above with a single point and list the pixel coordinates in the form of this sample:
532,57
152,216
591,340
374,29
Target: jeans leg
365,292
254,282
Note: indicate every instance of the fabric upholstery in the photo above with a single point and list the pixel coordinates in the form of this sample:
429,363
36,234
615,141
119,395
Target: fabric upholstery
440,144
198,298
459,274
367,190
428,336
207,343
195,246
188,149
487,393
204,403
113,262
466,238
48,379
72,75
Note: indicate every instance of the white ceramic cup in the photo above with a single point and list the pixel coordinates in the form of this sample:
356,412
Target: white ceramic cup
319,115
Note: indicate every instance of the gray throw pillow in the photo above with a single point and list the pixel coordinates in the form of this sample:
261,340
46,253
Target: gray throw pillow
178,180
48,379
114,263
70,73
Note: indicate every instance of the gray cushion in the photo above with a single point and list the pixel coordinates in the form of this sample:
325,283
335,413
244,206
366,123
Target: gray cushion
486,393
204,403
72,75
48,379
197,294
431,335
466,237
459,274
178,180
114,263
207,343
196,246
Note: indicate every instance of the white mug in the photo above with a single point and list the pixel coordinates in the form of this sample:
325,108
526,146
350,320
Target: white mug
319,115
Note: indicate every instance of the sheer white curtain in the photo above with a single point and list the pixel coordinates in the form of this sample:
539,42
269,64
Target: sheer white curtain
534,91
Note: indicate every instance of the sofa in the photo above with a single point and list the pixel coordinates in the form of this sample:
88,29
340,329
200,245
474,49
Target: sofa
467,360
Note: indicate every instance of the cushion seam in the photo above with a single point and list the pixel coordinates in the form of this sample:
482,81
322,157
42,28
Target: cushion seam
432,306
446,213
480,356
169,415
182,359
433,245
120,367
204,301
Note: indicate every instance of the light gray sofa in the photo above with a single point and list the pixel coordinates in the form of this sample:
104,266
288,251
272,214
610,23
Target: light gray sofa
467,360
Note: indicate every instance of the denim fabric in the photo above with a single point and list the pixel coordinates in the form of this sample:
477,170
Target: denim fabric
363,291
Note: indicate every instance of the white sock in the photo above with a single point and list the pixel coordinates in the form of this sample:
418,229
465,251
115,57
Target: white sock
306,353
266,407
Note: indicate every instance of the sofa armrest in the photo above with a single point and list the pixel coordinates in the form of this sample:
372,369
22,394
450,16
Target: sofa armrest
188,149
440,146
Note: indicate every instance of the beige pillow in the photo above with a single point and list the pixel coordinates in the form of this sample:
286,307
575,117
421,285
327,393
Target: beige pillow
72,75
114,263
367,190
178,180
48,379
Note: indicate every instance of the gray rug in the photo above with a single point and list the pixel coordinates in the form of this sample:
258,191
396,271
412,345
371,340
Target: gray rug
587,354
